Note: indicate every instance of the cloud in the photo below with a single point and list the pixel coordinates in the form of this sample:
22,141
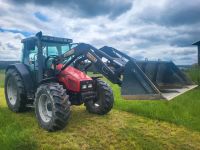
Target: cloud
84,8
16,31
141,28
11,47
40,16
170,13
166,53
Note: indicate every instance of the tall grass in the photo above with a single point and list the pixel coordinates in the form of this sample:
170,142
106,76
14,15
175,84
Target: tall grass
194,74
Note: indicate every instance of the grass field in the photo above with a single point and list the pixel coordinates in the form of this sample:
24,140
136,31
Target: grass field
1,78
194,74
130,125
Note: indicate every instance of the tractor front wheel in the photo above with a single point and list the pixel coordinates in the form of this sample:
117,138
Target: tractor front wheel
104,100
52,106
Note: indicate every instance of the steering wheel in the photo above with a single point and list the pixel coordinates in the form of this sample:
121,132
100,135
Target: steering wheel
53,57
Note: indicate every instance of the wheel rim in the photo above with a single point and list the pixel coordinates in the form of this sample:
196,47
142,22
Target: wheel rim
45,108
12,91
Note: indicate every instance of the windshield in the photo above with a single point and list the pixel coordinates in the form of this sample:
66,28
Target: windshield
55,48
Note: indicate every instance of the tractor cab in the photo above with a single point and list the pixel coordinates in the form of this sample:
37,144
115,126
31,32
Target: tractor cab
39,55
41,51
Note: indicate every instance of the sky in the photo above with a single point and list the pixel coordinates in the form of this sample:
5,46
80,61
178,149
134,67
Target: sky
163,29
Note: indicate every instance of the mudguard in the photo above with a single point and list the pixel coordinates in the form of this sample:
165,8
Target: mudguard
25,74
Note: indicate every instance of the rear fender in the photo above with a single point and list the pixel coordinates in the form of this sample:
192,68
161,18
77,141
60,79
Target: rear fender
25,75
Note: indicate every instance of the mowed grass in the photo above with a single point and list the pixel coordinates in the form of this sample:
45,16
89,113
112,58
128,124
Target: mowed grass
116,130
130,125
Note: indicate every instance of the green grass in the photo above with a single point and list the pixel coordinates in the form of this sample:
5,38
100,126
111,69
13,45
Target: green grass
183,110
13,135
1,78
116,130
130,125
194,74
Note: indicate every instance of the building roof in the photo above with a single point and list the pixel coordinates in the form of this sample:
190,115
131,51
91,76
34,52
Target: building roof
196,43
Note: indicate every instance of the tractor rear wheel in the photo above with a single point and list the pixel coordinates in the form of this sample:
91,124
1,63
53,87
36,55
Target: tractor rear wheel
15,91
52,106
104,100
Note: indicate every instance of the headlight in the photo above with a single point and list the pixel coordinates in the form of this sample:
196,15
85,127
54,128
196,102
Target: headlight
90,85
84,86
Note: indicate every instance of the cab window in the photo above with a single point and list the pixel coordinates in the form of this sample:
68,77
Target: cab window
65,48
52,50
55,49
32,54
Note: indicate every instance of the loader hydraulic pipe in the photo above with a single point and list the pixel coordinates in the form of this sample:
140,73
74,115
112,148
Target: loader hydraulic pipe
105,48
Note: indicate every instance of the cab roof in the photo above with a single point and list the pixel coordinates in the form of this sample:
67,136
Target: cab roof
52,39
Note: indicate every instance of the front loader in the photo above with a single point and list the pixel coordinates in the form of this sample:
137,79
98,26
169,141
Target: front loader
49,78
165,78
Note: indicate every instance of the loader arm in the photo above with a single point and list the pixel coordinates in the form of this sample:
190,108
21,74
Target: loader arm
134,83
87,52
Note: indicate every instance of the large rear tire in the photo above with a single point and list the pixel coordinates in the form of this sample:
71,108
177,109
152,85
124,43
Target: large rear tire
52,106
15,94
104,100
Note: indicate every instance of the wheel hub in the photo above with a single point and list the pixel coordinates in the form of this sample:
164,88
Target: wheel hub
45,108
12,91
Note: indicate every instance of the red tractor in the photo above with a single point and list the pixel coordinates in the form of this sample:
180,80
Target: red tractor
52,77
46,78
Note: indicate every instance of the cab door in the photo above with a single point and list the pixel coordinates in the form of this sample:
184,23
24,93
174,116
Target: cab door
29,57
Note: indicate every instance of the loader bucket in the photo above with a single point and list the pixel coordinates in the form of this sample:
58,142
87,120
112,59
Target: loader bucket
164,74
149,80
136,85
